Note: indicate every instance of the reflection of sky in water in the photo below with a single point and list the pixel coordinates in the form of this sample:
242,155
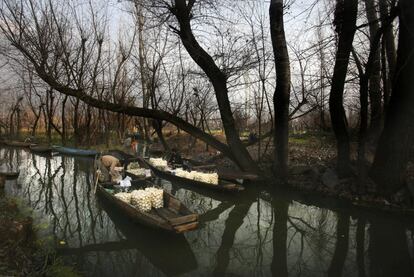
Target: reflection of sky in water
246,235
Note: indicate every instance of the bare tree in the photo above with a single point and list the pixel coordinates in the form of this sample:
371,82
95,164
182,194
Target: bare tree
281,96
345,20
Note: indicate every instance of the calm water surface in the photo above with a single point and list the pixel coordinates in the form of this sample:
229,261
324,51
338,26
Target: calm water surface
251,234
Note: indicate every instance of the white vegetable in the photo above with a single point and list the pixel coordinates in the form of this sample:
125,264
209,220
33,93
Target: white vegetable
134,165
141,200
124,196
137,171
211,178
157,198
159,163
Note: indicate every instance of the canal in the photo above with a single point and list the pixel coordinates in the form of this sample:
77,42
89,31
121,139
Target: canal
256,233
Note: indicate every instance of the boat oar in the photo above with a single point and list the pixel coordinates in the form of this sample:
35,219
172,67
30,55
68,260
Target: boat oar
96,181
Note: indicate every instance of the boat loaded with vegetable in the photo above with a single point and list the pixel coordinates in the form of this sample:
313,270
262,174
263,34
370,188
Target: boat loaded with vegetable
151,206
209,180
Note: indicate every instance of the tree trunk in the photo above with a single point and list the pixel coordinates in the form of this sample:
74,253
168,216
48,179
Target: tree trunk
385,75
389,42
49,114
282,93
390,163
63,119
76,122
375,76
142,66
157,125
363,114
345,20
37,115
182,11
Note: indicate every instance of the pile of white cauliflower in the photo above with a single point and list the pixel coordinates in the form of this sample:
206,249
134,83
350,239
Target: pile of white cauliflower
211,178
133,165
159,163
143,200
137,171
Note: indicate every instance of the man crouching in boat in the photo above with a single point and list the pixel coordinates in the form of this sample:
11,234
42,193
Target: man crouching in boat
108,165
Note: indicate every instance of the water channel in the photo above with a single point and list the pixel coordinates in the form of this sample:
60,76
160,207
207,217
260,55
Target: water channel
250,234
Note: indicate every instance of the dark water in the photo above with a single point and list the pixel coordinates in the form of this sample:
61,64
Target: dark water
252,234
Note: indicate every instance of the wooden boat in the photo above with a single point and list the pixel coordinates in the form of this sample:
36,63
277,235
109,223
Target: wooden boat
137,177
225,173
10,175
223,185
15,143
174,217
142,165
155,246
42,149
74,151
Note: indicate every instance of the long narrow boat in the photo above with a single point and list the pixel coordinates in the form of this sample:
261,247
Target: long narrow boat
174,217
42,149
225,173
156,247
74,151
223,185
15,143
142,164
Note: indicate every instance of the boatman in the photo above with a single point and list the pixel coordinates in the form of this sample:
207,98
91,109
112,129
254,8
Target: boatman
107,166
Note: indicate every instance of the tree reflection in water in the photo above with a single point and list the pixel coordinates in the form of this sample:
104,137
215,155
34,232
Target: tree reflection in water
389,254
341,246
249,234
279,261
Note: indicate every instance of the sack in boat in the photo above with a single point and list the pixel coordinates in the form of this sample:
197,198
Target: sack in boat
157,198
211,178
133,165
137,171
124,196
141,199
159,163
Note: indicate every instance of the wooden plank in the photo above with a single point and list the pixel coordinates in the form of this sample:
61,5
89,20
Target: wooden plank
166,213
174,204
186,227
183,219
174,218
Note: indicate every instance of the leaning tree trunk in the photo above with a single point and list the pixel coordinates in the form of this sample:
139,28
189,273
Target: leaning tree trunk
345,20
282,93
390,163
182,11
